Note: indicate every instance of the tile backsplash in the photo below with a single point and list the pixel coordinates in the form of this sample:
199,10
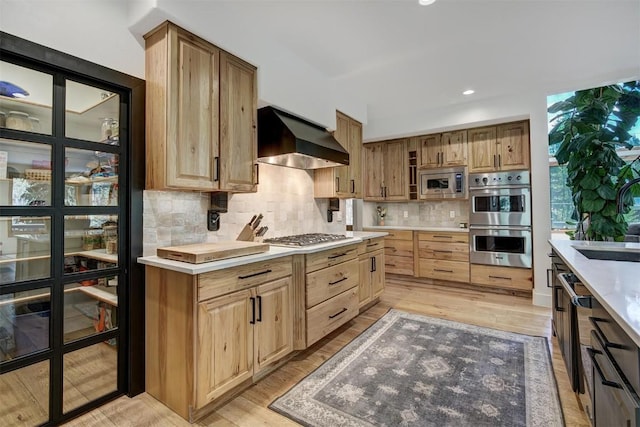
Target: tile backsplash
284,197
424,214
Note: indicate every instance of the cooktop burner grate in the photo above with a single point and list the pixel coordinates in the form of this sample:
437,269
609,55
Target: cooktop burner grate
304,239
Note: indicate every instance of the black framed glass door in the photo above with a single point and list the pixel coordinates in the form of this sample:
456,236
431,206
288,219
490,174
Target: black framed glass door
66,220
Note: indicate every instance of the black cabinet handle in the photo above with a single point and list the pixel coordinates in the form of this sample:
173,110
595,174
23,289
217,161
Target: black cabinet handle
259,319
371,245
216,166
338,281
442,252
337,183
594,321
374,266
592,354
435,236
253,311
555,290
381,191
257,172
336,256
254,274
338,313
353,186
499,160
443,271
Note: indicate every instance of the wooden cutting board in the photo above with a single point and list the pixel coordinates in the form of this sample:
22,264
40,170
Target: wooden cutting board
205,252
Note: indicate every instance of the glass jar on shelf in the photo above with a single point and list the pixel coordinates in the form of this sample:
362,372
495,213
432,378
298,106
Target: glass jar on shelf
18,120
109,130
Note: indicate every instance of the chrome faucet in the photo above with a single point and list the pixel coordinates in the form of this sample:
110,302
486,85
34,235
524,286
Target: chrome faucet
623,190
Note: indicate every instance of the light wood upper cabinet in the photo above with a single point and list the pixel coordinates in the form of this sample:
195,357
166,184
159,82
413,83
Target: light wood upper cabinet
343,181
201,112
238,119
502,147
386,166
443,150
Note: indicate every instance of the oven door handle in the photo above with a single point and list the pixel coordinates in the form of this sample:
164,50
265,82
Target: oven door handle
577,300
501,227
488,189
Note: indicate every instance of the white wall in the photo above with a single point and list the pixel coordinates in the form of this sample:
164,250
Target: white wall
91,29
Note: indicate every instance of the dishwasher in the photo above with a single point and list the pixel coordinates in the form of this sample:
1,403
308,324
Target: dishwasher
576,301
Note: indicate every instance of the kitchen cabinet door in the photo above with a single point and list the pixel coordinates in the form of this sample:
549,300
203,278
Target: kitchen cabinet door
377,275
482,147
182,111
395,170
373,171
224,356
355,159
238,118
273,334
343,181
364,286
513,146
430,148
454,149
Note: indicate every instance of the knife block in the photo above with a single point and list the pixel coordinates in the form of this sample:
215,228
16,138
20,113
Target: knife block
247,234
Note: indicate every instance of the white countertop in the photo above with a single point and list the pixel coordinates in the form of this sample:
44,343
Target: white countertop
273,252
417,228
615,284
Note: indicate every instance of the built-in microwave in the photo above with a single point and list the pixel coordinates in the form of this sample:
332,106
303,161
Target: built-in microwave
443,183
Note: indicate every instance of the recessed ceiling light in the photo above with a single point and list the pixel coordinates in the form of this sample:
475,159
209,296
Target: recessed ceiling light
426,2
468,92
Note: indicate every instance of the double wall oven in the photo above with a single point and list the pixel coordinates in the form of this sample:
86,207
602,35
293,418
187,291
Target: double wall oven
500,219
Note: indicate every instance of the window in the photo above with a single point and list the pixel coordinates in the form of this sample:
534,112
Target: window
563,215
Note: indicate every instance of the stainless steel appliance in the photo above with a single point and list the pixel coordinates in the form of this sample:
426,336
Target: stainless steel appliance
500,219
305,239
447,183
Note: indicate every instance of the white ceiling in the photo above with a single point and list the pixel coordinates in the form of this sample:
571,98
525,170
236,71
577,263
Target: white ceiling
398,56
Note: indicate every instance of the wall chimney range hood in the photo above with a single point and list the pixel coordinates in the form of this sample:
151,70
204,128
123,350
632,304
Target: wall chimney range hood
288,140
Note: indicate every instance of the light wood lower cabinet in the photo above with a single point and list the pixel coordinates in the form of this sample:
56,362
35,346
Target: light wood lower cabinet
372,271
198,350
331,289
444,256
399,252
502,277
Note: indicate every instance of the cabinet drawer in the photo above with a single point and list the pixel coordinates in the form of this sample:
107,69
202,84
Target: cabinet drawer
453,271
331,257
627,357
221,282
371,245
329,282
444,237
446,251
399,235
502,277
399,247
331,314
398,264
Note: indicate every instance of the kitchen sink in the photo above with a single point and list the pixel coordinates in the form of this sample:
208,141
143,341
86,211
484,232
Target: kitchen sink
610,254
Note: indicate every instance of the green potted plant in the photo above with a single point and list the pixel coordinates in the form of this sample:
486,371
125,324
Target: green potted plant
587,130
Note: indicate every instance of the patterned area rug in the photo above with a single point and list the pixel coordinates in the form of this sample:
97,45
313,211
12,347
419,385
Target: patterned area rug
412,370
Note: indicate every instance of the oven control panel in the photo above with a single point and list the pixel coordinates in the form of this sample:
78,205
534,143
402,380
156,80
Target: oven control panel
499,179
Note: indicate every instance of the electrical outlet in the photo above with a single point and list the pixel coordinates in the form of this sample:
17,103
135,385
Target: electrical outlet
213,220
339,216
452,214
405,214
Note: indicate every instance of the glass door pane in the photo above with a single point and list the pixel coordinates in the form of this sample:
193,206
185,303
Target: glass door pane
91,178
24,323
26,98
92,113
90,373
25,174
25,395
25,243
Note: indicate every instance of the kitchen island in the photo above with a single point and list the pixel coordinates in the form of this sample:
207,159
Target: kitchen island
596,320
213,329
615,284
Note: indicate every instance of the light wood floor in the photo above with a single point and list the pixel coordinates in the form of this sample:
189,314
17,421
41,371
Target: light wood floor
250,408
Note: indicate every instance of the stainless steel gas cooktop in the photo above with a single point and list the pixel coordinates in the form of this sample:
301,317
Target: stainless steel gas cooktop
304,239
